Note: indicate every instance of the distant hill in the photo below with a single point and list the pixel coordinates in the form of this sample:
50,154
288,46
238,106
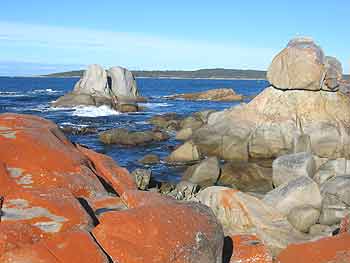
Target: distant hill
217,73
201,73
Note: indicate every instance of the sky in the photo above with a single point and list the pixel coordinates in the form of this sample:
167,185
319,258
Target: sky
40,36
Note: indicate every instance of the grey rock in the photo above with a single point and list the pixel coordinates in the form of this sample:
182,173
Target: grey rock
187,152
185,190
246,177
150,159
184,134
289,167
297,192
321,230
303,217
122,83
336,200
205,173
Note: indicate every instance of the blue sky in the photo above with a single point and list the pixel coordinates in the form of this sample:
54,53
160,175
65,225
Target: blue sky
40,36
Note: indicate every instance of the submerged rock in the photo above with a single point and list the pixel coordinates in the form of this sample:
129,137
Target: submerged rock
150,159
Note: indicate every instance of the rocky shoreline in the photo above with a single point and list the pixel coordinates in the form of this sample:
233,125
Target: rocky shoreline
265,182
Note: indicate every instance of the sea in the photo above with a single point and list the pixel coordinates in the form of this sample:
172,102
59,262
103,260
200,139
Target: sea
31,95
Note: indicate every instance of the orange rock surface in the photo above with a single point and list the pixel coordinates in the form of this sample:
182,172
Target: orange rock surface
334,249
167,231
38,156
118,177
51,211
249,249
75,246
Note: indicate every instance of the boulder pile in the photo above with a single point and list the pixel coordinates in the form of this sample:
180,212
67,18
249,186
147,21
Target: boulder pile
115,87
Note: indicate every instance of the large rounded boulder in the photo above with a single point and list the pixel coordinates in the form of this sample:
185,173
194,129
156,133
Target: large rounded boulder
299,66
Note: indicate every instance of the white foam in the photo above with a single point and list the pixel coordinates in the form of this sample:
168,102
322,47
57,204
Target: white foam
92,111
45,91
155,105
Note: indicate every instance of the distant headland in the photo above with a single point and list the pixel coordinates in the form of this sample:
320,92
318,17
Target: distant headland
216,73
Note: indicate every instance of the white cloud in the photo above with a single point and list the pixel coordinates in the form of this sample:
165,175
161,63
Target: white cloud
61,45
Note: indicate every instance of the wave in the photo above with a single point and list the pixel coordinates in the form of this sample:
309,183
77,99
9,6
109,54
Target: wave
155,105
92,111
12,94
45,91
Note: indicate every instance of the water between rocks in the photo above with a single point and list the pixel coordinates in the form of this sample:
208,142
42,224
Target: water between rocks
33,96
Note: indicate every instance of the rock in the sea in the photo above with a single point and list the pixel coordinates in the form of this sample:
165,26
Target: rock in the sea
212,95
205,173
299,66
160,229
288,167
150,159
297,192
122,84
124,137
303,217
168,121
242,213
246,177
116,89
336,199
326,250
142,178
187,152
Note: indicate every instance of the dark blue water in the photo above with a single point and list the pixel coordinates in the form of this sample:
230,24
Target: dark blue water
33,96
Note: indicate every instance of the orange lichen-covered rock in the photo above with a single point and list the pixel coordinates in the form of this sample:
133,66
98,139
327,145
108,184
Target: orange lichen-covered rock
51,211
13,236
75,246
118,177
103,204
165,232
334,249
38,156
249,249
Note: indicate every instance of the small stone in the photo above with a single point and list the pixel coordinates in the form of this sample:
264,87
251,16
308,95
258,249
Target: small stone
143,178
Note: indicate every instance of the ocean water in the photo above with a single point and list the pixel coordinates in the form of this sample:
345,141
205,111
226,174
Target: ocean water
34,95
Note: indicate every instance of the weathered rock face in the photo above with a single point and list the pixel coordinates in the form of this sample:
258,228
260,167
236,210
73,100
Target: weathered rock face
130,236
246,177
266,127
33,166
289,167
93,83
75,246
54,193
241,213
326,250
142,178
115,88
212,95
334,73
297,192
123,84
336,200
299,66
303,217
